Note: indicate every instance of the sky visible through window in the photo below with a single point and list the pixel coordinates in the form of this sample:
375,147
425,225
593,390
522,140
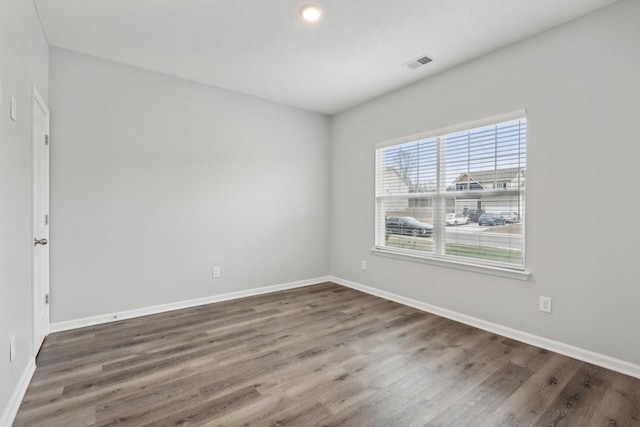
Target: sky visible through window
489,148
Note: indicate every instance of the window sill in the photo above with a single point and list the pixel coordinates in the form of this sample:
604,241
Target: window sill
477,268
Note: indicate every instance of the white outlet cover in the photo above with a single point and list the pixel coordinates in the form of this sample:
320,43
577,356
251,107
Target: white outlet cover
363,265
544,305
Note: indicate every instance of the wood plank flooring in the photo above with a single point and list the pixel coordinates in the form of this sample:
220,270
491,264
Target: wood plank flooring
322,355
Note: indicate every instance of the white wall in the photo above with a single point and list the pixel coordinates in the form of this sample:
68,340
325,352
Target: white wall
156,179
23,64
580,85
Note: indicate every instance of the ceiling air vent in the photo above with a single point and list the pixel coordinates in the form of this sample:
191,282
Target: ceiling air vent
419,62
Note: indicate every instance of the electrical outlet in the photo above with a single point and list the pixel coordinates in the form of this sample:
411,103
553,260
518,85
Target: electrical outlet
216,272
12,348
544,304
363,265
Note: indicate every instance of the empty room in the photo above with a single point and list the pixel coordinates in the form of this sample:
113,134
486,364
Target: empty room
326,213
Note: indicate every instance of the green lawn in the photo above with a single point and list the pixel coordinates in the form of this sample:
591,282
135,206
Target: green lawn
458,249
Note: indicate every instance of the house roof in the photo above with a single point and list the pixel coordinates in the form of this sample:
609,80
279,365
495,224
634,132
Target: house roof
490,175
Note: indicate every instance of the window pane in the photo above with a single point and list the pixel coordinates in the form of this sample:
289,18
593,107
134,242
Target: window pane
468,206
488,159
407,168
494,233
408,227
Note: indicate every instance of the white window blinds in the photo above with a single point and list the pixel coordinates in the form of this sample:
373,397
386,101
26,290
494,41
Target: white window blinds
478,173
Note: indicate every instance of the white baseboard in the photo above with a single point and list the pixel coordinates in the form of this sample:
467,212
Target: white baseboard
588,356
145,311
11,410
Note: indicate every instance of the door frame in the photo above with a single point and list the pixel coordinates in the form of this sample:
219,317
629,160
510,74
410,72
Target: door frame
38,103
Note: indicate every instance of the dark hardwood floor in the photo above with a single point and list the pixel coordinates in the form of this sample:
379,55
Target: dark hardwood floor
322,355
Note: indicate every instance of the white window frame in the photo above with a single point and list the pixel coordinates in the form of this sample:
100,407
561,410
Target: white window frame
439,201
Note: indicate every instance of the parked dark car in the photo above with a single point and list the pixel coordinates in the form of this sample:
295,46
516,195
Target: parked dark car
491,219
408,226
474,214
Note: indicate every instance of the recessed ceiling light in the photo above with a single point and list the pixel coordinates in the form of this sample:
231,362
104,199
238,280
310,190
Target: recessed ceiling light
310,12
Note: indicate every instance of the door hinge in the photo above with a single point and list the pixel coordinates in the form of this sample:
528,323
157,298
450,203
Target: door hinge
46,299
46,220
46,140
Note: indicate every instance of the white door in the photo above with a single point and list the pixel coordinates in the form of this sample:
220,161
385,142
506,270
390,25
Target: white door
40,221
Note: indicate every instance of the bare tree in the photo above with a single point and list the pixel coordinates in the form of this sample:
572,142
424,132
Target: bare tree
406,161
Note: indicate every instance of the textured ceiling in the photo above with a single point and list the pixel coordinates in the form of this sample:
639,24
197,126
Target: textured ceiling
262,47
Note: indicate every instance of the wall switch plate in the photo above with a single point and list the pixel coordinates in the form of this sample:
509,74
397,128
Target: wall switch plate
544,305
363,265
216,272
12,348
13,109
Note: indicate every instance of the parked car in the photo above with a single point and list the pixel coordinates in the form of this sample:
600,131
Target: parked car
474,214
457,219
408,226
491,219
510,217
